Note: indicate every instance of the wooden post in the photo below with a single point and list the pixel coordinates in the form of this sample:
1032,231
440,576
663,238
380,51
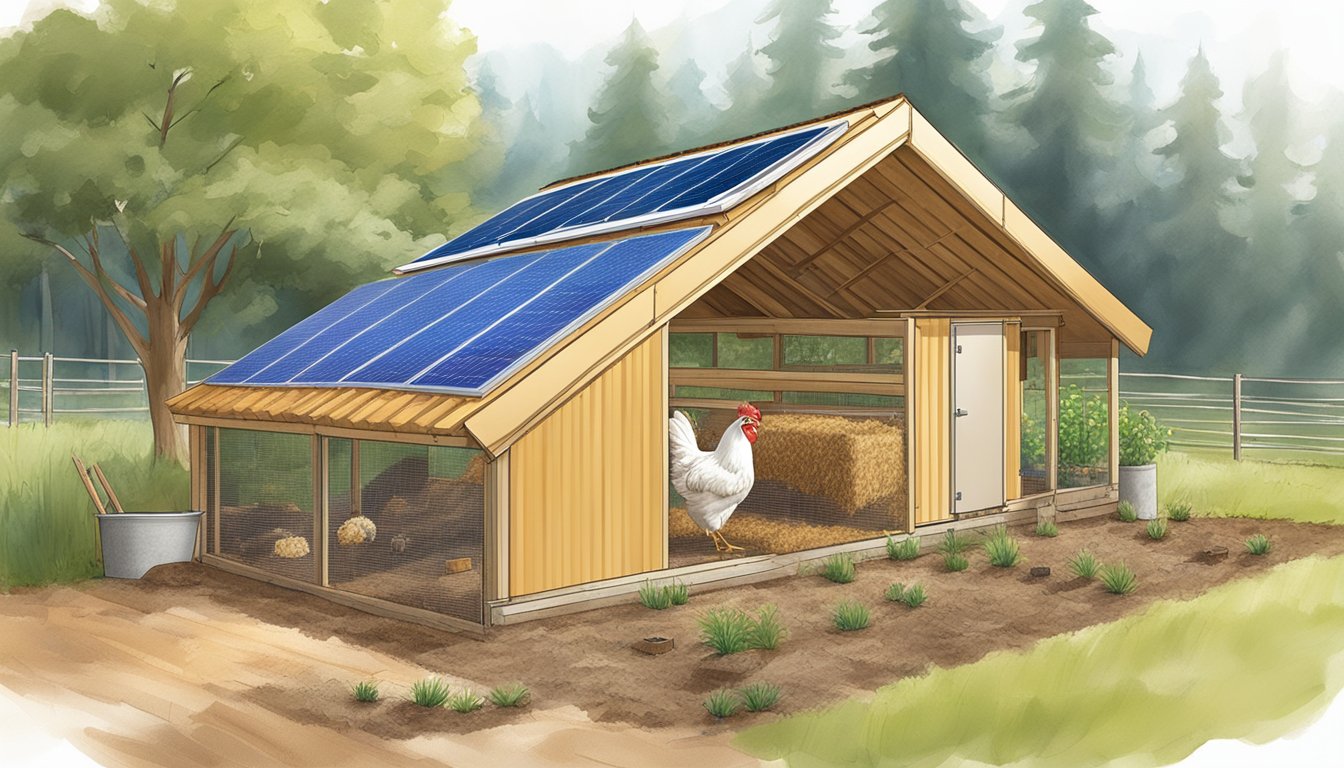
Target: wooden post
1236,416
46,389
1113,409
1052,411
13,387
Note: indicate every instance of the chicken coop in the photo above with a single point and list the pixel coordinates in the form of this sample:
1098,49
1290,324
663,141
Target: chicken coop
483,437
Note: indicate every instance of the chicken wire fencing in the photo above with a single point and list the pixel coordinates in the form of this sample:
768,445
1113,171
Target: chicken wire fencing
264,514
830,468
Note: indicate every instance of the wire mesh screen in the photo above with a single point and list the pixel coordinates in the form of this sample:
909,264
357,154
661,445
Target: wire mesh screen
1035,413
406,524
830,468
266,510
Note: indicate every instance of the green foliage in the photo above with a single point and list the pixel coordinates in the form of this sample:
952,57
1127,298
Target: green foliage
429,692
799,51
905,549
913,595
1258,544
721,703
767,630
1084,438
678,593
955,561
366,691
1118,579
1085,565
1002,548
464,701
1142,438
758,697
510,695
726,630
1156,528
628,119
1125,511
850,616
838,568
1179,511
953,543
1047,529
655,597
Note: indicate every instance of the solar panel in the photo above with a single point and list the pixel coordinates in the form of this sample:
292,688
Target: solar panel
678,188
463,328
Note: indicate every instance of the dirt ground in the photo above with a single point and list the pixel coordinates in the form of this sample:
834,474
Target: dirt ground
193,666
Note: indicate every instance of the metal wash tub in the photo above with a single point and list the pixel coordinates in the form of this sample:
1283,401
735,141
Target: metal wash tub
134,542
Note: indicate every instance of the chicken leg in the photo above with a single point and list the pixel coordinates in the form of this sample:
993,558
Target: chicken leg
721,544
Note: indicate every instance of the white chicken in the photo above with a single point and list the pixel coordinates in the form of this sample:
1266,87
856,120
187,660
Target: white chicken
714,482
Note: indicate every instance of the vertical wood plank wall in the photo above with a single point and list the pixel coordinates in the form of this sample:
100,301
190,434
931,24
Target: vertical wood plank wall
932,420
587,485
1012,411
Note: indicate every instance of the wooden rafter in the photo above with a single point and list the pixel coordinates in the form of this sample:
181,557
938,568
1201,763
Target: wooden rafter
845,233
944,289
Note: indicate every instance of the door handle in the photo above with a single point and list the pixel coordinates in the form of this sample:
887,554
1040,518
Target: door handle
959,412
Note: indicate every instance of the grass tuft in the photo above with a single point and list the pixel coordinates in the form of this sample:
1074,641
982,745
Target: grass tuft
913,595
679,593
366,691
1125,511
905,549
1047,528
726,630
1179,511
954,561
1156,528
1085,564
465,701
1118,579
758,697
767,630
895,593
1258,544
654,597
721,704
1002,548
953,544
510,695
850,616
429,692
838,568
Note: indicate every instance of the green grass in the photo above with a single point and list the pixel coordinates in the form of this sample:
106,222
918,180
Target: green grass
955,561
913,595
721,704
1001,548
1125,511
1258,544
366,691
758,697
510,695
429,692
1085,564
767,630
45,514
726,630
1253,659
1047,529
1219,487
464,701
1118,579
1179,511
654,597
905,549
1156,528
850,616
953,544
678,593
838,568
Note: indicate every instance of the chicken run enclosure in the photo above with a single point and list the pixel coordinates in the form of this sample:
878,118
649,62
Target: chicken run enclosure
873,331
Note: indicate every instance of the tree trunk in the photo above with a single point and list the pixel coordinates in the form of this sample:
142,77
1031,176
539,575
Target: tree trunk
164,363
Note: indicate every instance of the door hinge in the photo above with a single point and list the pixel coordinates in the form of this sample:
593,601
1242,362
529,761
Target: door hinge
958,349
961,412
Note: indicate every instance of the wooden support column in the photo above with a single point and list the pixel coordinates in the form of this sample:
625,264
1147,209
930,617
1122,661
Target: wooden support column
319,548
1052,410
1113,399
496,565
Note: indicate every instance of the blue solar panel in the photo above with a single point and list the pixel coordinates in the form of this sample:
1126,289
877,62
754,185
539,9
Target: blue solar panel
461,328
677,188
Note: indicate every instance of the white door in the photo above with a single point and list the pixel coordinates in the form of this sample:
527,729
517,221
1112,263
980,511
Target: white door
977,416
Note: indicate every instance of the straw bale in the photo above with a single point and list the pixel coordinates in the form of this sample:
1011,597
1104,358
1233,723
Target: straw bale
759,533
852,462
291,547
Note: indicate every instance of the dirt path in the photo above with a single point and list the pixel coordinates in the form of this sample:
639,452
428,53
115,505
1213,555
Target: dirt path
193,666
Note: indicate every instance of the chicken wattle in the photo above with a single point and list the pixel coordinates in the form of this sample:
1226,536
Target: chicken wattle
714,482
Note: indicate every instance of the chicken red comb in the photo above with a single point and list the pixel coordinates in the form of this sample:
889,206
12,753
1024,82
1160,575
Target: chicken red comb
747,409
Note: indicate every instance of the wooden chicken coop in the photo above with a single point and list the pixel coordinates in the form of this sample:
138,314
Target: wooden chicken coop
483,438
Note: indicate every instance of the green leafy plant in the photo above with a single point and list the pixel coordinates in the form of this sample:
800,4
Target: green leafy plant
1084,439
913,595
838,568
429,692
1142,437
1084,564
1047,528
679,593
850,616
655,597
1180,511
1118,579
1125,511
366,691
465,701
955,561
905,549
1258,544
895,593
1002,548
758,697
953,543
1157,528
510,695
767,630
721,704
726,630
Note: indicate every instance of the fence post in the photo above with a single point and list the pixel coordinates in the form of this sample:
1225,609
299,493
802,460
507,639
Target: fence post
1236,416
46,389
13,387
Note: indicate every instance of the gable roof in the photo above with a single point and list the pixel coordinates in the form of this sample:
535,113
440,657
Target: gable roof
875,133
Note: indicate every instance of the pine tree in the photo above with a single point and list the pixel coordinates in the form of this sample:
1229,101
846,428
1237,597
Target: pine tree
629,120
485,165
1194,280
1069,118
926,52
745,86
694,115
1318,235
799,50
530,160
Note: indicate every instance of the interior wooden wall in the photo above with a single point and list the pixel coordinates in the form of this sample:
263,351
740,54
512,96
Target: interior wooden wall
932,420
1012,412
588,485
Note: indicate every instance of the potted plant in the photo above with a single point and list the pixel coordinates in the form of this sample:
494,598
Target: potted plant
1142,438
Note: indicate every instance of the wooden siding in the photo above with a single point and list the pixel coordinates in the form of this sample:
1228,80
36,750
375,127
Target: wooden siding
932,420
588,484
1012,411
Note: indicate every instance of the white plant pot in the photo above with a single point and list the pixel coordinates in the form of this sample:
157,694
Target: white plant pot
1138,486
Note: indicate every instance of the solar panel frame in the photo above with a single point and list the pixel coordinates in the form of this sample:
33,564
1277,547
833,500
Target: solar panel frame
826,134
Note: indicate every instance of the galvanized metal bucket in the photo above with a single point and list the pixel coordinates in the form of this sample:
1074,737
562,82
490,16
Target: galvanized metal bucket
134,542
1138,486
